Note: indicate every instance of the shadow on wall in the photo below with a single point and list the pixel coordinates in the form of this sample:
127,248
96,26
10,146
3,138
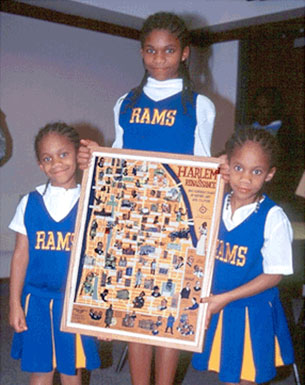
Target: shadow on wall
6,141
87,131
225,109
203,83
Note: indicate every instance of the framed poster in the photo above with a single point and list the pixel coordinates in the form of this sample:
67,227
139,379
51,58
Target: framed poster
144,247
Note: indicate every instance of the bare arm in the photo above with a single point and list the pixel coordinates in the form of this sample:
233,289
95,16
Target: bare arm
84,153
253,287
19,265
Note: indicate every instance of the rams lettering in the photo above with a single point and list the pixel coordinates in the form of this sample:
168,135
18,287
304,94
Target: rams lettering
51,241
235,255
145,116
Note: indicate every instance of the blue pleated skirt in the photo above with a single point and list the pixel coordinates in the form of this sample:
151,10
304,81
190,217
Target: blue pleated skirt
247,341
43,347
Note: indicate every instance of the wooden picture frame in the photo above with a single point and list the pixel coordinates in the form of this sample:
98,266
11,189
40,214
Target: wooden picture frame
144,247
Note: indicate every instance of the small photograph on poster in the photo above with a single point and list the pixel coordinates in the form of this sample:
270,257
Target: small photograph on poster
144,247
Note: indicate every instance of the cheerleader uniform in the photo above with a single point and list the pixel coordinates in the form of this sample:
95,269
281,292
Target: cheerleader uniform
48,222
158,122
250,336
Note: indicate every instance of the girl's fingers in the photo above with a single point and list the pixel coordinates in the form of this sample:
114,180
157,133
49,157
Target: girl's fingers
204,299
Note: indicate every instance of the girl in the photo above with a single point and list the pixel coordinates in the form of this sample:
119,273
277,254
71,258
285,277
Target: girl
162,113
44,224
248,335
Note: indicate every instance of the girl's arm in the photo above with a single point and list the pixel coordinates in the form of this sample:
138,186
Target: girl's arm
253,287
19,265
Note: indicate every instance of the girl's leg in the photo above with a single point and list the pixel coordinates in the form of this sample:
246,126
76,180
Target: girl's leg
166,360
139,358
42,378
71,380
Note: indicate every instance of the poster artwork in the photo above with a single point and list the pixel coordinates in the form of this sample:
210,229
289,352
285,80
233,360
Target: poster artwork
144,248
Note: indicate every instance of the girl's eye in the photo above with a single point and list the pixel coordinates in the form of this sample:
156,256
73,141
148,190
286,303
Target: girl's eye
63,154
150,50
257,172
170,50
237,167
47,159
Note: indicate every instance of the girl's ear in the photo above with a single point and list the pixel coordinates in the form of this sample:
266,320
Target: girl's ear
270,174
185,53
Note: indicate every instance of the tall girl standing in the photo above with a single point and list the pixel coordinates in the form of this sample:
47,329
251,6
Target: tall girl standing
164,114
44,225
248,334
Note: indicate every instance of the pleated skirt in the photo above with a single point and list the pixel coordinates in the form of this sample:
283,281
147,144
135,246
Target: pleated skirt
247,342
43,347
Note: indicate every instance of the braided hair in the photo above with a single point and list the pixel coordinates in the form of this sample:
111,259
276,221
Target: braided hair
176,26
59,128
267,141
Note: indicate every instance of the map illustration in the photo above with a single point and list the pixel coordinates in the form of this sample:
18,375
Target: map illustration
144,247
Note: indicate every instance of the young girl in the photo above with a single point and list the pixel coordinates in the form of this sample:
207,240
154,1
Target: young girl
164,114
248,335
44,224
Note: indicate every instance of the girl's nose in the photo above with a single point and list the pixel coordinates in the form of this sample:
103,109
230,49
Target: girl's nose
56,160
246,176
159,57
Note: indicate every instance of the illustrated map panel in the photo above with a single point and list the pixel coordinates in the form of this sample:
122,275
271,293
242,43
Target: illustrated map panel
144,249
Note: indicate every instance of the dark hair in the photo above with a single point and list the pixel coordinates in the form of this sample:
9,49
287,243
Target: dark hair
175,25
273,99
267,141
59,128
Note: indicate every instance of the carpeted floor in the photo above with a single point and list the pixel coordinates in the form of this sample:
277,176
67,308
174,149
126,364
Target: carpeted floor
10,373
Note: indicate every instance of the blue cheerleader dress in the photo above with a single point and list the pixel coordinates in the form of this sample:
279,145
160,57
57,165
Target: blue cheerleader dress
43,347
250,336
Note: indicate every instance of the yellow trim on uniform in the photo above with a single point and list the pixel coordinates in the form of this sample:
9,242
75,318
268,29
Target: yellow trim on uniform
26,304
248,371
52,333
79,353
278,356
214,361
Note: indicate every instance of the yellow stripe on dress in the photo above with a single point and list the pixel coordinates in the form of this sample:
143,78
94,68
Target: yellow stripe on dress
80,354
52,333
26,304
214,361
278,356
248,368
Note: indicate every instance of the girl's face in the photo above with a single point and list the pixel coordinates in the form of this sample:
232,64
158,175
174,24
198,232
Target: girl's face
162,54
57,159
249,170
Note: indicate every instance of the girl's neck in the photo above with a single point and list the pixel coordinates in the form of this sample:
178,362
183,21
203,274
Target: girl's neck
69,186
235,204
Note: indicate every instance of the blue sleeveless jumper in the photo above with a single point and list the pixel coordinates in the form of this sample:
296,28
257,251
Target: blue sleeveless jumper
43,347
250,336
161,126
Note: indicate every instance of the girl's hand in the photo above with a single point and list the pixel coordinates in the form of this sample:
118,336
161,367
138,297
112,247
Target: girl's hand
224,167
17,319
106,339
257,285
215,304
85,152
